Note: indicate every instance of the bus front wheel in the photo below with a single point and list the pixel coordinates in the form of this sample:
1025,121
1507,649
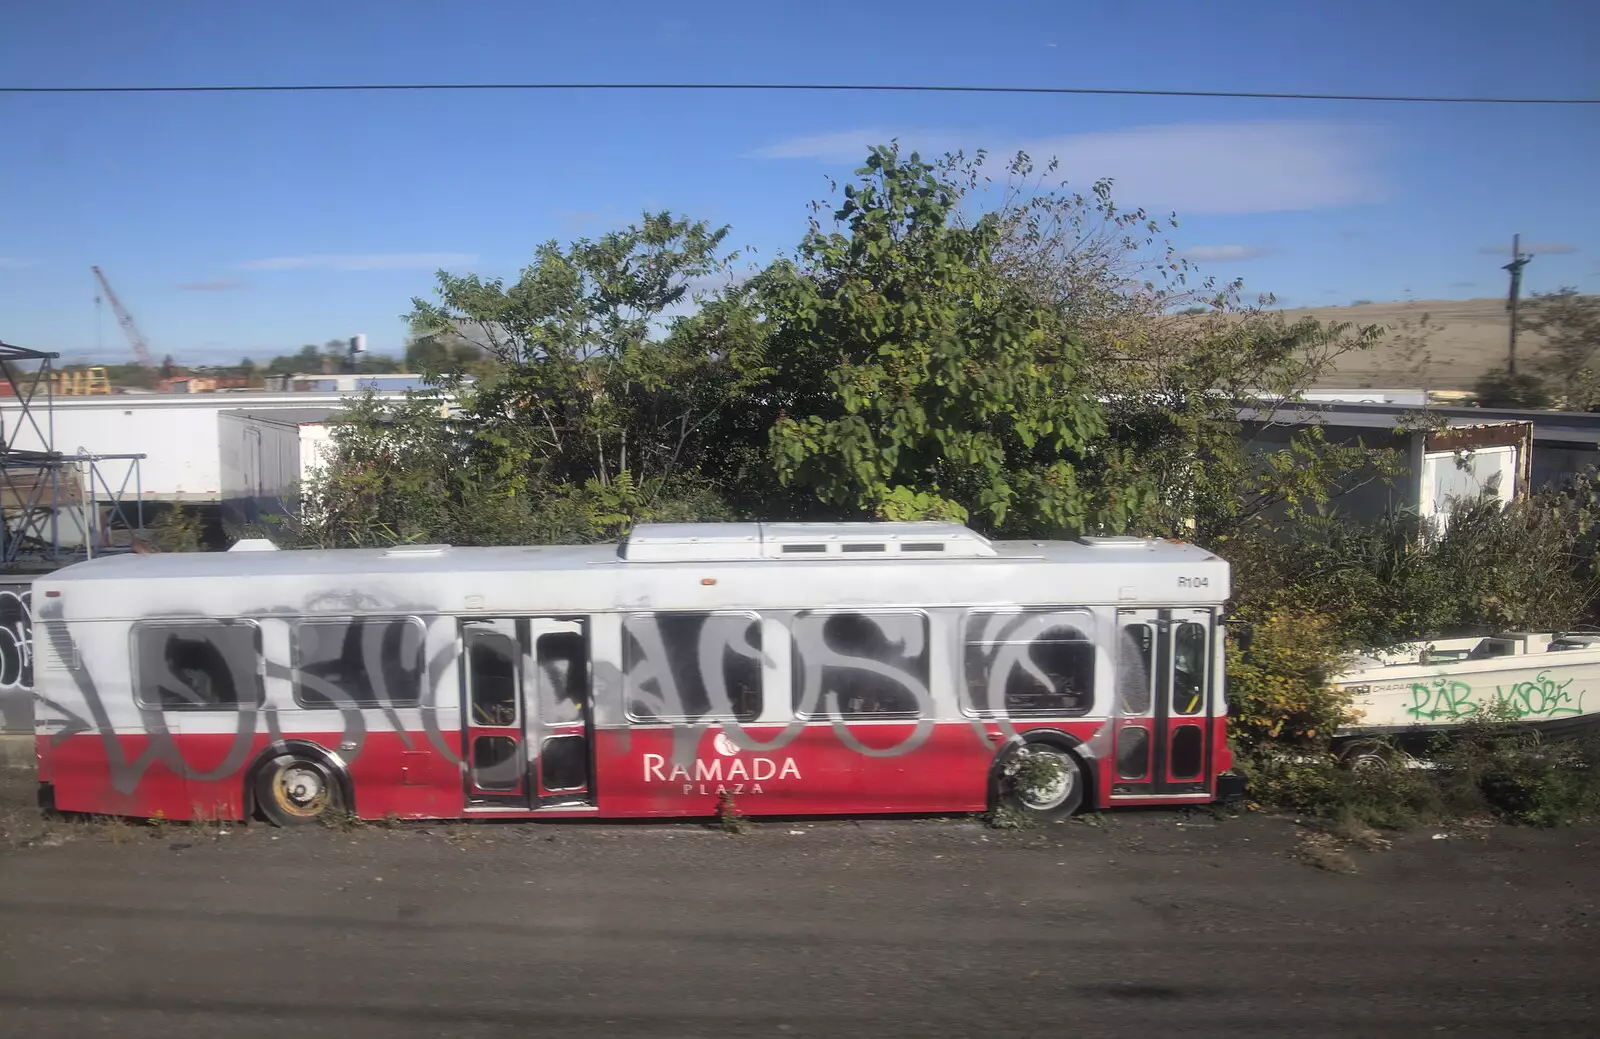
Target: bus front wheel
1042,781
292,790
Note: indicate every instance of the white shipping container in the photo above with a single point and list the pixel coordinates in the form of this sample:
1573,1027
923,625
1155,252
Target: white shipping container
267,457
180,435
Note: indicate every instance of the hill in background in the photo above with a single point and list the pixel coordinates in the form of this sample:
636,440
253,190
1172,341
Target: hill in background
1463,338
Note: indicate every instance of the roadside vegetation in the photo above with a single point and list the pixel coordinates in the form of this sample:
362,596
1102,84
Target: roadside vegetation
965,340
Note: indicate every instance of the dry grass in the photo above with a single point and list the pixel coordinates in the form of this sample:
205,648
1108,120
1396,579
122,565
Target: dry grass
1325,851
1470,338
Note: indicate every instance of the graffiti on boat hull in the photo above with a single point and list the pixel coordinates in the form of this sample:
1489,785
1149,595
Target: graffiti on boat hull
1541,698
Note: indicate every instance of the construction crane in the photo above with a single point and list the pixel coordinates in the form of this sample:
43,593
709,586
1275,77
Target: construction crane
141,347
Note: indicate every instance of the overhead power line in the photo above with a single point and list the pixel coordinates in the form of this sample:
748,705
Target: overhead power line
904,88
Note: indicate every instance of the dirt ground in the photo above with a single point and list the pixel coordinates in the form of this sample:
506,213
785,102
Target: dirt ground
1116,926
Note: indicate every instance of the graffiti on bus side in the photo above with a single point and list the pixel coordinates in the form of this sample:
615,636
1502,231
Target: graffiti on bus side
702,671
693,672
188,670
16,659
16,639
1541,698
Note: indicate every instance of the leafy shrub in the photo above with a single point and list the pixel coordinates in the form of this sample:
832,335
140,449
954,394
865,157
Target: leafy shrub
1509,771
1528,566
1493,769
177,528
1319,785
1498,388
1278,685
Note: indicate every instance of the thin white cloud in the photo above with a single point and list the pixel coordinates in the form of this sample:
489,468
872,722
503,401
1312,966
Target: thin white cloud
1255,167
1226,253
1537,248
845,146
362,262
214,285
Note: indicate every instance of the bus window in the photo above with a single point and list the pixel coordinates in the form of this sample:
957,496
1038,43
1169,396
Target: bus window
492,658
563,676
496,763
359,662
827,682
692,666
1136,669
1028,663
198,665
1189,669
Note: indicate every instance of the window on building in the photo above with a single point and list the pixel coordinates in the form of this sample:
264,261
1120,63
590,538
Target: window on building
692,666
1029,663
861,665
359,662
198,665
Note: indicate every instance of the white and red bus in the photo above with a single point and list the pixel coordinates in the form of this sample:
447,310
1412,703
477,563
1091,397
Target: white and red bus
791,668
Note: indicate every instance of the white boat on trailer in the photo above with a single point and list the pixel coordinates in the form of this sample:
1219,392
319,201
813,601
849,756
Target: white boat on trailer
1549,682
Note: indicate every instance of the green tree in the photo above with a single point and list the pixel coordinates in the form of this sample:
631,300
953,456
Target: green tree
1498,388
588,380
1178,358
911,377
594,401
1569,322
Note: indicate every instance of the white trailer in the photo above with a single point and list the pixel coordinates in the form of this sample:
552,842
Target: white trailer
179,434
267,456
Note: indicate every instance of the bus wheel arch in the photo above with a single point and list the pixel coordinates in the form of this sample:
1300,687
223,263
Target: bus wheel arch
294,782
1052,805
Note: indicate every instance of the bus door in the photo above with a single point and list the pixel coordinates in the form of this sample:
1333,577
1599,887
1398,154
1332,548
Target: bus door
493,719
562,711
528,712
1164,702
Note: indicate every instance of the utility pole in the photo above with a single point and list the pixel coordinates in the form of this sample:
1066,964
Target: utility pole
1518,261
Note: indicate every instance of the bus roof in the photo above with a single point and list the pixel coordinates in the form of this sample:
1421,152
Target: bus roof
583,578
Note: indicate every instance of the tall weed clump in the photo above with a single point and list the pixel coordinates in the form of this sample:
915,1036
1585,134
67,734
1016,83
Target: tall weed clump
1314,595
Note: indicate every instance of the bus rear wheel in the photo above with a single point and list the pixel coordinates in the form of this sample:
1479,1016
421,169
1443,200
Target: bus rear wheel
1042,782
292,790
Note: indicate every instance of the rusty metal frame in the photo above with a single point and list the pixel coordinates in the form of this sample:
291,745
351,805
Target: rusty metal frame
30,518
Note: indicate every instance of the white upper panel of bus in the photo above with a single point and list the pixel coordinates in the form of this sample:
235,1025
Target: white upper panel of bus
676,566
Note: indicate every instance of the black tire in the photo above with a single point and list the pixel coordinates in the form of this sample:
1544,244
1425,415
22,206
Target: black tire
296,789
1367,756
1047,805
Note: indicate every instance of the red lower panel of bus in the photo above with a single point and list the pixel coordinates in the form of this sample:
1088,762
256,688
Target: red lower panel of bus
821,769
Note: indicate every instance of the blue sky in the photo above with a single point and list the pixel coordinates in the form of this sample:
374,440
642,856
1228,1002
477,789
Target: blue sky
249,224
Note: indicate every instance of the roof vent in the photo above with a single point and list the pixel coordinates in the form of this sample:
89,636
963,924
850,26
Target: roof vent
1118,541
417,550
253,545
728,542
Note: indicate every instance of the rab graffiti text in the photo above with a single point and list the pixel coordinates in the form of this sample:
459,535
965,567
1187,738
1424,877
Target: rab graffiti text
1541,698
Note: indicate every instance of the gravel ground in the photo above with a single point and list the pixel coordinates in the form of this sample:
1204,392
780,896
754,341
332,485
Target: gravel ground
1254,926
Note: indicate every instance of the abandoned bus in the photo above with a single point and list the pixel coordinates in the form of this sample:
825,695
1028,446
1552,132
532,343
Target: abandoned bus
787,668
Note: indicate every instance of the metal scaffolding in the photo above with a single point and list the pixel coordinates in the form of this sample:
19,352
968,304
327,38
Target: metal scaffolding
57,508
